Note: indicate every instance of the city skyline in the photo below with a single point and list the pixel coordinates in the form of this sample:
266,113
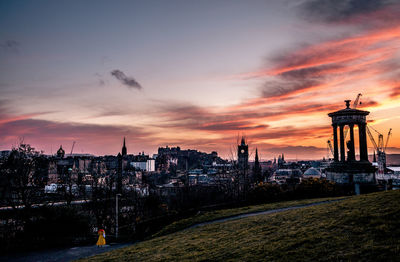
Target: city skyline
195,74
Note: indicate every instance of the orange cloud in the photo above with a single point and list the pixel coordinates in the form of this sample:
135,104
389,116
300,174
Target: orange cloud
304,84
8,119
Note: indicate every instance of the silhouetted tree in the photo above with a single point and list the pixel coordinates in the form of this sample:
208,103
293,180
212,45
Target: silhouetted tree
24,175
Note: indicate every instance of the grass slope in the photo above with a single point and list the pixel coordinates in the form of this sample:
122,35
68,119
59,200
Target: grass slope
224,213
361,228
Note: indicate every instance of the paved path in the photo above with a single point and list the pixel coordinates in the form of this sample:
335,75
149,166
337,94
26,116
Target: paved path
61,255
272,211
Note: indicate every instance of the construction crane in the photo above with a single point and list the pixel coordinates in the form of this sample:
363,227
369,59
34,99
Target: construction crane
72,148
381,156
371,137
356,102
380,140
387,139
380,149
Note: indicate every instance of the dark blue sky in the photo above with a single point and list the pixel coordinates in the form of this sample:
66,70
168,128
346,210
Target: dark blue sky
195,73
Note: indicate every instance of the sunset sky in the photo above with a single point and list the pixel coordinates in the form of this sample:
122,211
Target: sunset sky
195,74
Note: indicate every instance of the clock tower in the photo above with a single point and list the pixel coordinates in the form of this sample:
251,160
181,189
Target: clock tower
243,155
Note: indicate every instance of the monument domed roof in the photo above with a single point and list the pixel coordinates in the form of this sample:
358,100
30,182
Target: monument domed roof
312,172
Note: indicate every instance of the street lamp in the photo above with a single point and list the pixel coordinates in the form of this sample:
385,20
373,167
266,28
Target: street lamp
116,216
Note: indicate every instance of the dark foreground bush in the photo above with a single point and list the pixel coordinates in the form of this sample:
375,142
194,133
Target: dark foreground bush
265,192
308,188
46,227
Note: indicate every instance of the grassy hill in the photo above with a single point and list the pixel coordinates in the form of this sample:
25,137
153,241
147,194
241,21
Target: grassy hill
230,212
360,228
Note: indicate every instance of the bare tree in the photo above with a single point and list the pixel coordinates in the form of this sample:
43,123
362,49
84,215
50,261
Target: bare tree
23,175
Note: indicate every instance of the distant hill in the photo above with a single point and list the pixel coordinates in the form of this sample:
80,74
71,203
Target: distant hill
360,228
391,159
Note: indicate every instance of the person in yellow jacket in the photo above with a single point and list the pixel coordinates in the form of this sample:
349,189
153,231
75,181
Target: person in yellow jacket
102,238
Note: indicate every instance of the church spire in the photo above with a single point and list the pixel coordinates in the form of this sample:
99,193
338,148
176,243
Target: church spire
256,157
243,142
124,151
257,171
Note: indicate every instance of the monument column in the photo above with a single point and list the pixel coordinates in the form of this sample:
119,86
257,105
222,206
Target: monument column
335,144
352,155
363,141
342,150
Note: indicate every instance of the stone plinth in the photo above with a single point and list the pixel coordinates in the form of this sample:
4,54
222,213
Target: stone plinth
351,172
